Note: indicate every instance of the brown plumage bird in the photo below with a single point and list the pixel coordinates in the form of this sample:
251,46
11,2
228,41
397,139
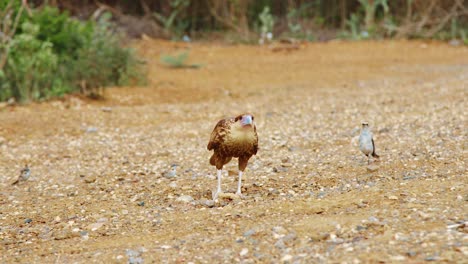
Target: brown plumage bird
233,138
24,175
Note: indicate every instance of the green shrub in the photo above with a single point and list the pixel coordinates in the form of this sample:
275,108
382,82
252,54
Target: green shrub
178,61
52,54
30,68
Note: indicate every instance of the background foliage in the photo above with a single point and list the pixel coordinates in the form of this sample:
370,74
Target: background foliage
45,53
48,48
310,19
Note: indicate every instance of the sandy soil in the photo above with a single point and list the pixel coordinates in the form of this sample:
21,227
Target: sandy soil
98,192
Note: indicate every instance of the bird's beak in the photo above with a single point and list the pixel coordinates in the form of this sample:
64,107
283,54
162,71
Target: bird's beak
246,120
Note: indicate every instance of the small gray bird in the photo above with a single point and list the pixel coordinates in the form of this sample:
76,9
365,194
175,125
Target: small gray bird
366,143
172,173
24,175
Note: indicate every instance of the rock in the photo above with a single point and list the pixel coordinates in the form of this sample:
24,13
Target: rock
106,109
393,197
244,252
173,185
372,168
286,258
249,232
134,257
184,199
95,226
90,179
142,203
91,130
27,220
208,203
279,230
63,234
280,244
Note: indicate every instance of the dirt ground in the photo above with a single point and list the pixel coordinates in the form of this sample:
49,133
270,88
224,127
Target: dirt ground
98,191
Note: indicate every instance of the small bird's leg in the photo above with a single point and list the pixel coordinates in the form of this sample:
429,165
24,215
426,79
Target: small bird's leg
239,192
218,189
368,159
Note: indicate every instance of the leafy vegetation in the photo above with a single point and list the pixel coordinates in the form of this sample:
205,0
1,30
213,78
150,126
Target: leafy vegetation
48,54
178,61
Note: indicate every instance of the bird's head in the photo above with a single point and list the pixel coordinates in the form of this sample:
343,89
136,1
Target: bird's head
246,120
365,125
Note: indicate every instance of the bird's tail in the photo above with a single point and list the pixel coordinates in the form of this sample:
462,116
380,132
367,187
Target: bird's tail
375,155
16,182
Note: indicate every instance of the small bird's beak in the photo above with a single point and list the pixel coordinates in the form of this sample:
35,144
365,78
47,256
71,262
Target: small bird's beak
246,120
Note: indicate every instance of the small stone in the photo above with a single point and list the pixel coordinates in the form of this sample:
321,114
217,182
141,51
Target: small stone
184,199
173,185
142,203
90,179
249,232
244,252
286,258
279,230
372,168
208,203
95,226
91,130
106,109
359,228
286,165
398,258
28,220
431,258
393,197
280,244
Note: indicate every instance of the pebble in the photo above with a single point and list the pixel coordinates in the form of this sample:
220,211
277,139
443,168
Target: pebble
184,199
280,244
244,252
91,130
372,168
28,220
286,258
208,203
106,109
249,232
90,179
95,226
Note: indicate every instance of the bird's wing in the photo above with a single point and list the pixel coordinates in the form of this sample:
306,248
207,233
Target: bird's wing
218,133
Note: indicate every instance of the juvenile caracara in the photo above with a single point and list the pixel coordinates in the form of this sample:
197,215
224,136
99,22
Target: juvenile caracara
233,138
366,142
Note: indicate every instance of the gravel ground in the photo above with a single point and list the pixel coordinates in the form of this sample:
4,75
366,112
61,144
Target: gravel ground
102,188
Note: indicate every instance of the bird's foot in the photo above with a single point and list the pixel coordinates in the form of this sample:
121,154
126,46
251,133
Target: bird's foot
216,194
240,195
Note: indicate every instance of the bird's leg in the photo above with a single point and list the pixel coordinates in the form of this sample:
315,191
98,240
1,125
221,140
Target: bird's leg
368,159
239,192
218,189
243,160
